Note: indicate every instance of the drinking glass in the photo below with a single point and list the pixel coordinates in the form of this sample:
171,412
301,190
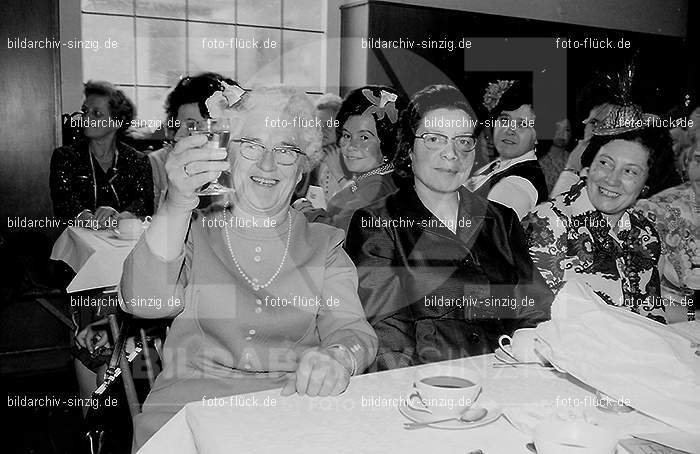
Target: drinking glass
218,132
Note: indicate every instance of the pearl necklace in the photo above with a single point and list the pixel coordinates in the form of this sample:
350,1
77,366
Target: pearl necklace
254,282
386,168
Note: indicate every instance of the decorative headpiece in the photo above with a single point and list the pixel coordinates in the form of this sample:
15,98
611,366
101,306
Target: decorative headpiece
494,91
624,116
384,105
221,101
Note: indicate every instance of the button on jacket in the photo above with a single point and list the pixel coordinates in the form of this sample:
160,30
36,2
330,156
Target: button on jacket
229,339
433,295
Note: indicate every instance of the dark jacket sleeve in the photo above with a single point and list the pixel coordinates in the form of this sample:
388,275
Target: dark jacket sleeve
340,213
381,293
64,184
141,188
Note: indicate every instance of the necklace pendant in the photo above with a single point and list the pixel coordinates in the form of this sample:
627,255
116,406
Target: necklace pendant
256,287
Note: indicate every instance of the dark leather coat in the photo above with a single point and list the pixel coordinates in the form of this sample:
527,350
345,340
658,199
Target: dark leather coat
432,295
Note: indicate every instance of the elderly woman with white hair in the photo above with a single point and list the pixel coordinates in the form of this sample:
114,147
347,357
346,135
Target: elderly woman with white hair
260,297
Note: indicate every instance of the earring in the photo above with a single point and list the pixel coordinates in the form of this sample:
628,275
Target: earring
644,191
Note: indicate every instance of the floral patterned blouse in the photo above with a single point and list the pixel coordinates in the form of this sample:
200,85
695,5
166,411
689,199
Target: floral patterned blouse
672,212
569,239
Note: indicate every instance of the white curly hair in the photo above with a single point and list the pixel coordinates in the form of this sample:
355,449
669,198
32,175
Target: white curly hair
293,103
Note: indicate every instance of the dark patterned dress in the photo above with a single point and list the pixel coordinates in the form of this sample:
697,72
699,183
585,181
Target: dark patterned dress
570,240
78,182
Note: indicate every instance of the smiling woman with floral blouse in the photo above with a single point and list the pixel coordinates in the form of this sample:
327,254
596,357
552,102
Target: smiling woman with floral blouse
590,233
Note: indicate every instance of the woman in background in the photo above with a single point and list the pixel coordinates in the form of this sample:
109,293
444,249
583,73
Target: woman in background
676,216
591,232
368,120
329,175
555,160
94,183
99,180
515,179
184,108
443,273
569,174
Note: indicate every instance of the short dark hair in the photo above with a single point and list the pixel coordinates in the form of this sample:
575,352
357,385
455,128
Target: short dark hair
120,106
519,94
429,98
356,103
657,142
194,89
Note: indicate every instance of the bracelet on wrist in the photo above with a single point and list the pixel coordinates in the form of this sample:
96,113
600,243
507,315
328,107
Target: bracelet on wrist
353,362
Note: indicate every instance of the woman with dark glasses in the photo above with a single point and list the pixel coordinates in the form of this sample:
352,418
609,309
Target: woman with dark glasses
100,179
443,273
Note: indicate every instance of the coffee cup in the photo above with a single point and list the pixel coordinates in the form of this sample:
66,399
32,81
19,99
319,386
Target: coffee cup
522,346
129,229
444,391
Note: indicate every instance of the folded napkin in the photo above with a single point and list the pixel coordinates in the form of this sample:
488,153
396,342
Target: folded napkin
526,417
626,356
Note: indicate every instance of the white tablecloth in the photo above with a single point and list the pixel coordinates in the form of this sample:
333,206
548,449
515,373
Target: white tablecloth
356,422
96,256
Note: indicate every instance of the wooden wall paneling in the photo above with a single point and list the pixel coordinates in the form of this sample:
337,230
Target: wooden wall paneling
28,111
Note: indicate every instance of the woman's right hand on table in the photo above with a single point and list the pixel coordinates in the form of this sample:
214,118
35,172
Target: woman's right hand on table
190,166
319,373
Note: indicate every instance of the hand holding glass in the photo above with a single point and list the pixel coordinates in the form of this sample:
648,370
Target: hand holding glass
218,132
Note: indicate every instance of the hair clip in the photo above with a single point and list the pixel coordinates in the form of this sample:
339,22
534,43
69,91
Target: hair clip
494,92
384,105
224,99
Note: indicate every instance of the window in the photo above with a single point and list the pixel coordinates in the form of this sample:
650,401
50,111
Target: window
159,41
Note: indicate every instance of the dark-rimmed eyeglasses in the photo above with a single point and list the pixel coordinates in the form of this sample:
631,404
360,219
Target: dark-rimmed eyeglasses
435,142
285,155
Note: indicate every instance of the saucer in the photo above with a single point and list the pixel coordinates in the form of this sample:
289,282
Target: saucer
493,412
505,355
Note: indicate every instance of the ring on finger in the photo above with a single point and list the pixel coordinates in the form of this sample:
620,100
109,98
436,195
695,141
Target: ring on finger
184,169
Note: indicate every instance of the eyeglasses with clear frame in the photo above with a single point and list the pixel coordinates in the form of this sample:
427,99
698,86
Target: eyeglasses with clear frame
285,155
435,141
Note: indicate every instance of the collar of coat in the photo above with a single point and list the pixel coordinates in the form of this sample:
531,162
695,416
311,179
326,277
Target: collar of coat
473,212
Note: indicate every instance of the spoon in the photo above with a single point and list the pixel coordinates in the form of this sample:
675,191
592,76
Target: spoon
470,415
531,446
